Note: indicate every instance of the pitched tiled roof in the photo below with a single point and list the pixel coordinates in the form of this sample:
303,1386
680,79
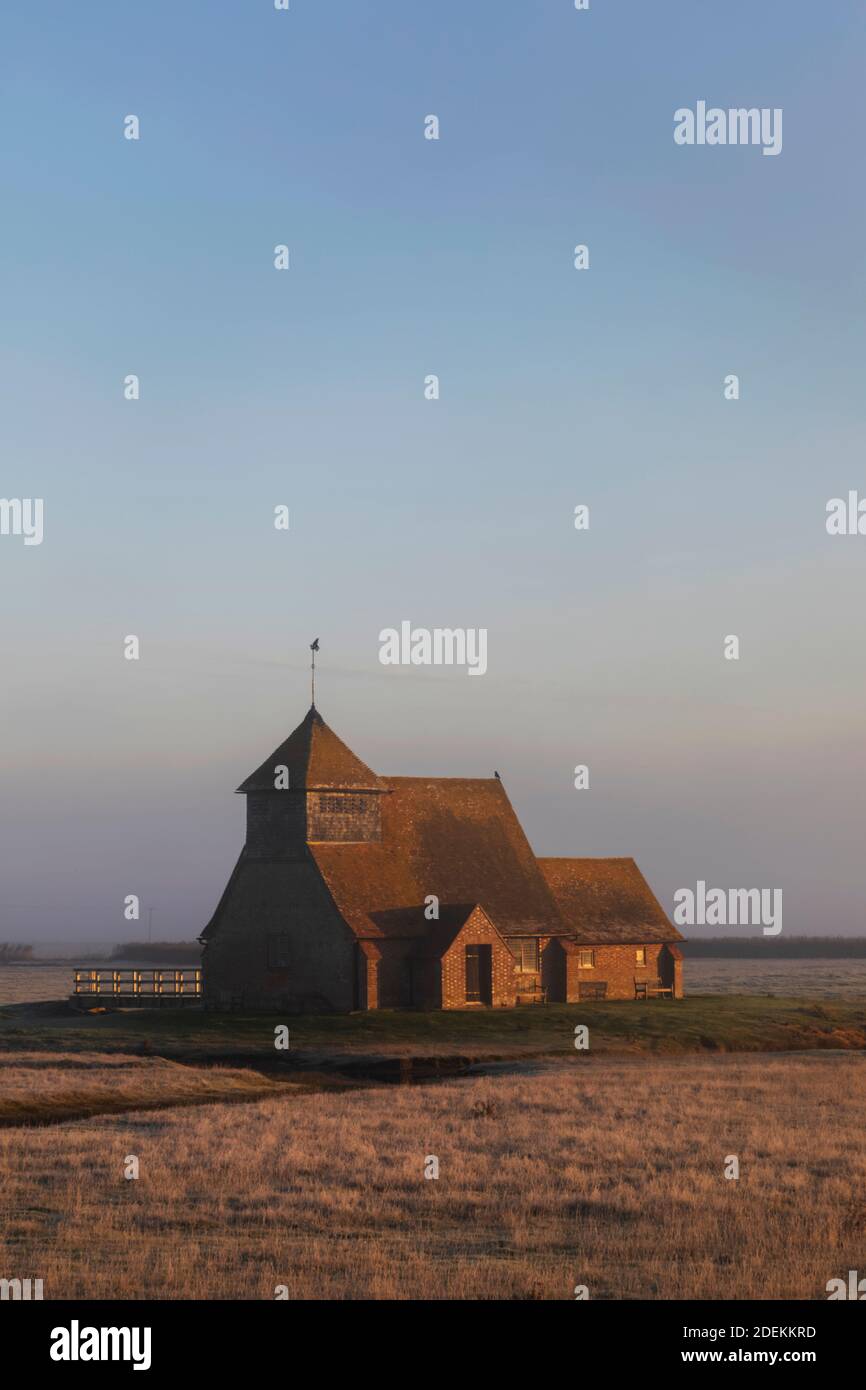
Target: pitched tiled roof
315,758
457,838
452,920
460,840
604,901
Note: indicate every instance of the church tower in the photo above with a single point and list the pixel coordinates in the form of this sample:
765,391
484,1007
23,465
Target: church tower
311,789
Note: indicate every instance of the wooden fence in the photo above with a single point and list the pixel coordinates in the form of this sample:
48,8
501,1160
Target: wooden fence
137,986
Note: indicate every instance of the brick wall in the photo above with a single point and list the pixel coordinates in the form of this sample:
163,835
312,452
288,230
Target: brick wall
476,931
617,967
368,956
678,978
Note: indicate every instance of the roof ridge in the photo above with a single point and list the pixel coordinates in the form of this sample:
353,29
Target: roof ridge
586,859
400,777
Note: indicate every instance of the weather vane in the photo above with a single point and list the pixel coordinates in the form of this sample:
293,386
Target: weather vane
314,647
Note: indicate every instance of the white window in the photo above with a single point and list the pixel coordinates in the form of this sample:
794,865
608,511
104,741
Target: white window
586,960
640,955
526,950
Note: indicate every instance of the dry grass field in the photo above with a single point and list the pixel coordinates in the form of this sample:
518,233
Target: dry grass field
39,1088
599,1171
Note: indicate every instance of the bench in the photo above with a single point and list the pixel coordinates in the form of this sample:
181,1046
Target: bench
652,989
532,993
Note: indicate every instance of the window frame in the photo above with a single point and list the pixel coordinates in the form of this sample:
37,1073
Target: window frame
533,945
586,964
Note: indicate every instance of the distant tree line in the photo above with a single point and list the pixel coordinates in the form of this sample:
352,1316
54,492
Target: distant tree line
165,952
774,947
9,951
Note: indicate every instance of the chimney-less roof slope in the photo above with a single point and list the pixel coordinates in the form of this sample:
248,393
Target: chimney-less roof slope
453,837
607,901
317,760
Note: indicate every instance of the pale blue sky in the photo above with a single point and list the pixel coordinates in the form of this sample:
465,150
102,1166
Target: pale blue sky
305,388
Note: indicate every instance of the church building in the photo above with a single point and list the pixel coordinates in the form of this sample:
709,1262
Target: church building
359,891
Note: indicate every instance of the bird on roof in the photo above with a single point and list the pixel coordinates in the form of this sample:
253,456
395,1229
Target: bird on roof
496,775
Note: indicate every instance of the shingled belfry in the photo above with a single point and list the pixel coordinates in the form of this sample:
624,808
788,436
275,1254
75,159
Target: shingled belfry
357,891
